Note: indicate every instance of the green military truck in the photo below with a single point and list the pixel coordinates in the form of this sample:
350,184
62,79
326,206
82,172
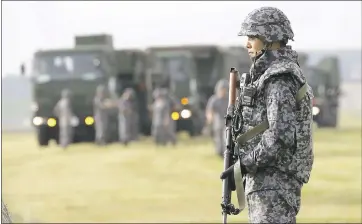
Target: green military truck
324,78
92,62
191,73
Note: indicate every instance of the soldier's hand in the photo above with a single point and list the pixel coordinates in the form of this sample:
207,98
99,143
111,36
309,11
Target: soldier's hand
229,174
108,103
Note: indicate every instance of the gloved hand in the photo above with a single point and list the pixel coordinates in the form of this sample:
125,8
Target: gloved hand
229,174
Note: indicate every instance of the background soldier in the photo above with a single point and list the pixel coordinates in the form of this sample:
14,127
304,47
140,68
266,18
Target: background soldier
100,108
277,162
160,117
63,110
174,106
126,117
215,111
135,115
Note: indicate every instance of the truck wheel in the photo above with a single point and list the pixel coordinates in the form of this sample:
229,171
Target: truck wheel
43,138
191,131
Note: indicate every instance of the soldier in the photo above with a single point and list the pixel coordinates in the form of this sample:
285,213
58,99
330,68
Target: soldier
277,101
160,117
100,110
215,111
5,214
135,116
63,110
126,117
174,106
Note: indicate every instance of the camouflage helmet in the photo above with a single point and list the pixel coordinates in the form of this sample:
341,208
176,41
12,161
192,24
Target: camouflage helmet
65,93
130,92
156,93
267,22
221,84
100,89
163,92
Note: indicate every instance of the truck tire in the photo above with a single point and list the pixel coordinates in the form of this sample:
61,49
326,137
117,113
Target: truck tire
43,138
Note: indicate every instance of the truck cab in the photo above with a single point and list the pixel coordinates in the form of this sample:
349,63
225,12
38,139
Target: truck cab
90,63
191,73
324,79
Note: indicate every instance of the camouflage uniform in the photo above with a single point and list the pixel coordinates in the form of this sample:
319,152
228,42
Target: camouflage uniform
174,106
5,214
135,116
100,111
126,117
63,111
278,161
160,117
218,106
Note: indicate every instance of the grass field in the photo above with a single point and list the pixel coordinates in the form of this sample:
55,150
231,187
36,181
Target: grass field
142,183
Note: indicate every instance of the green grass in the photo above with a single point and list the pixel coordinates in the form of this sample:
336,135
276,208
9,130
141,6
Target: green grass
142,183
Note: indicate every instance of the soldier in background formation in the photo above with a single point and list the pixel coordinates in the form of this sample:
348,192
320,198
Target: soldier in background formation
174,106
63,110
215,111
127,117
100,111
161,116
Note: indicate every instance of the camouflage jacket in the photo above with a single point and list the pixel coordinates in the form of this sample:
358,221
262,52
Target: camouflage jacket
281,157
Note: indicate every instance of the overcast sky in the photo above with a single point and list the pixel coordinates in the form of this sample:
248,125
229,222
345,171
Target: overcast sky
29,26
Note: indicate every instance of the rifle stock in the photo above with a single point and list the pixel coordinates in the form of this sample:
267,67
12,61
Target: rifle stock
229,156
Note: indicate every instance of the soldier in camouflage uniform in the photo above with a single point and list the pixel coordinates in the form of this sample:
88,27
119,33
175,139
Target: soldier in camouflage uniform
126,117
277,161
135,116
100,110
5,214
160,117
63,110
215,111
174,106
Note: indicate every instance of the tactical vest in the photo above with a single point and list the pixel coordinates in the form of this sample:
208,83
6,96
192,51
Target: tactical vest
300,160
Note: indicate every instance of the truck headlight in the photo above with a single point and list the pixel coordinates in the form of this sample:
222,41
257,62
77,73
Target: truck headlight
186,113
89,120
315,111
38,121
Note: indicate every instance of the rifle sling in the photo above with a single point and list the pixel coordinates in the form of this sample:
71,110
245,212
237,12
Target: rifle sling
241,139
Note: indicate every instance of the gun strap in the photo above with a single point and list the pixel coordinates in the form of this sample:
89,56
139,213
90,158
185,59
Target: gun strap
241,139
239,184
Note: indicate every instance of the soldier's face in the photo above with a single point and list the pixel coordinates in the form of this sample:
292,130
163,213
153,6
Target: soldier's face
254,46
222,92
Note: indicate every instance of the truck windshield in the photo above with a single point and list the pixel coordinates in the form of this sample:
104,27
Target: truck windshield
317,80
178,70
175,67
63,65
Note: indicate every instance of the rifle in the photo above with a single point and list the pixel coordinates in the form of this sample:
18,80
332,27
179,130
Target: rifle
230,159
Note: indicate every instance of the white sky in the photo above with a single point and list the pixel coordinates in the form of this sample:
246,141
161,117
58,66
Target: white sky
29,26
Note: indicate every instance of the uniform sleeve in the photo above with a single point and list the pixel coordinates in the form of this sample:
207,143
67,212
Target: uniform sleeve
281,104
98,103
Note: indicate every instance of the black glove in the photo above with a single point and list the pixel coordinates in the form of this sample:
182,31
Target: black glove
229,173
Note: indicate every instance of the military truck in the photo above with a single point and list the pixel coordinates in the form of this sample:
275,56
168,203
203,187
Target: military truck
92,62
191,73
324,78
